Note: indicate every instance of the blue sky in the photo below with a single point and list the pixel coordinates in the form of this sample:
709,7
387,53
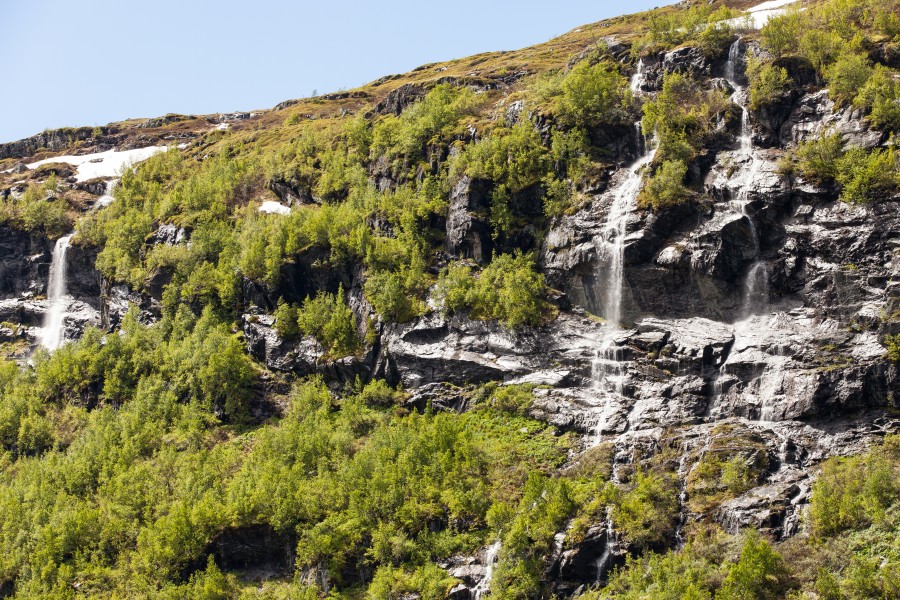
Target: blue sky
90,62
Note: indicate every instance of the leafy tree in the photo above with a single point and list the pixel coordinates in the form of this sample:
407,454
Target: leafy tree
666,186
760,573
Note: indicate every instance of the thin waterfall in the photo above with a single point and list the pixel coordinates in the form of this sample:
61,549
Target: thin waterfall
107,198
490,557
53,334
607,369
755,289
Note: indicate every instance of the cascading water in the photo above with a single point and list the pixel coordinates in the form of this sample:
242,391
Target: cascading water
107,198
756,284
755,289
57,301
607,369
490,557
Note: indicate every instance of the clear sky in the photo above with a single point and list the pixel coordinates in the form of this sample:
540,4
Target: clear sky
91,62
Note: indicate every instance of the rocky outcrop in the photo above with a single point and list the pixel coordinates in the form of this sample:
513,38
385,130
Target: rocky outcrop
468,229
24,263
54,140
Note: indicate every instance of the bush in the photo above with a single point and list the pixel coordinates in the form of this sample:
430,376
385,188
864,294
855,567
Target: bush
817,158
847,76
436,116
782,33
328,319
682,117
647,512
286,320
866,176
880,97
768,83
595,95
854,492
760,573
508,290
665,187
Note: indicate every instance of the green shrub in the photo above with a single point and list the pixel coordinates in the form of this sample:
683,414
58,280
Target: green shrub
781,33
818,158
389,295
892,343
768,83
854,492
508,290
528,536
682,117
513,157
880,97
666,186
647,511
286,320
847,76
594,95
866,176
436,116
40,209
328,319
759,573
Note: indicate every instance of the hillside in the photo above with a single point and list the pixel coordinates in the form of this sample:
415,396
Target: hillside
612,316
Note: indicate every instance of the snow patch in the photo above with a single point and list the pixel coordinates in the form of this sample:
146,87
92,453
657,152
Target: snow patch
272,207
102,164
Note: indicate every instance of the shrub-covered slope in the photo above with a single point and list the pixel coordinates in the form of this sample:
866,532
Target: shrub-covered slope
610,316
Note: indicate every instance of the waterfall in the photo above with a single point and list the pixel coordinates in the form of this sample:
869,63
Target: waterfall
603,561
607,368
53,332
490,557
107,198
638,79
756,288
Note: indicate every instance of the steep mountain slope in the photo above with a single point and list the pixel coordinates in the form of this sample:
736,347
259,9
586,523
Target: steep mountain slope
615,315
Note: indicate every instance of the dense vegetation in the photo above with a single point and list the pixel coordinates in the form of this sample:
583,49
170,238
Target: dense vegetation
131,460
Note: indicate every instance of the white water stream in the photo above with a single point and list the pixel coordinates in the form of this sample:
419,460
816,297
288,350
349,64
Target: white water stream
490,557
607,369
53,333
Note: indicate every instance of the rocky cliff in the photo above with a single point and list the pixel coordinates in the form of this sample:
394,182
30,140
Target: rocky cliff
754,315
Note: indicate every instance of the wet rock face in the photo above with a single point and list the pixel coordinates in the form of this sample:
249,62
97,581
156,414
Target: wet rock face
468,230
24,263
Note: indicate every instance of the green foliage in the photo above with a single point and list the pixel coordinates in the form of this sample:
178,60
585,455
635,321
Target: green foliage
846,76
681,117
760,573
854,492
528,536
768,83
817,158
508,290
892,343
436,117
512,156
666,187
328,319
867,176
40,209
593,95
732,464
880,97
781,33
697,24
647,510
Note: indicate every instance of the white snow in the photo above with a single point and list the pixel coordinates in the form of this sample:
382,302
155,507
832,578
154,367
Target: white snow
103,164
270,206
760,14
770,5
